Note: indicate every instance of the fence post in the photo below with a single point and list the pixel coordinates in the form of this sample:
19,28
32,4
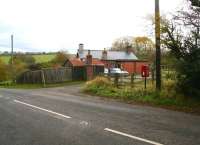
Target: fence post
152,68
132,80
43,78
116,81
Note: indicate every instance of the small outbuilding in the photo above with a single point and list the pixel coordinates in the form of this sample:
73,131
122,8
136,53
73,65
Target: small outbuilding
85,69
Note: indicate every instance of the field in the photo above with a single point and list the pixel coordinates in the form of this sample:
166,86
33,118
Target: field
39,58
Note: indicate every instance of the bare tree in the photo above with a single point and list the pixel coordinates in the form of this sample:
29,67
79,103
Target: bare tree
190,18
122,43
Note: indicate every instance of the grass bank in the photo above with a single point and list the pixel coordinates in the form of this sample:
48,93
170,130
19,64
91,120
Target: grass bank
167,98
10,85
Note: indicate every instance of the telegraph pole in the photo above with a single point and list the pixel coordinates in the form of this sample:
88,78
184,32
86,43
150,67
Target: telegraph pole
12,50
158,51
12,72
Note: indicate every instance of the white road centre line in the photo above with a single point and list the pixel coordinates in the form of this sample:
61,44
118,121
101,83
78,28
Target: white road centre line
39,108
133,137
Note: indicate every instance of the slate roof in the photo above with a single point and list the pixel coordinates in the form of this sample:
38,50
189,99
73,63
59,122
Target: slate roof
111,55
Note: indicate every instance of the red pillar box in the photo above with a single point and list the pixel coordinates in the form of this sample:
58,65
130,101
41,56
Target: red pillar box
145,71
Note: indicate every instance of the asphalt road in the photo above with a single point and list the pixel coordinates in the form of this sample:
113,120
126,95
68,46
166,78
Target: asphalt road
63,116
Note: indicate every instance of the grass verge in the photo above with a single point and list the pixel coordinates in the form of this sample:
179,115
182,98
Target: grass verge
10,85
167,98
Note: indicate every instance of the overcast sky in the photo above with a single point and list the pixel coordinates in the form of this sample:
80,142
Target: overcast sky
53,25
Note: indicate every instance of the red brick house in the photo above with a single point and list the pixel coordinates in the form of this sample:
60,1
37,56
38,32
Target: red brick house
126,60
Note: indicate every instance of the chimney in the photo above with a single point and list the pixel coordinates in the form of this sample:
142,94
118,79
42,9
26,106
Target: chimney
77,55
89,58
129,49
104,54
80,48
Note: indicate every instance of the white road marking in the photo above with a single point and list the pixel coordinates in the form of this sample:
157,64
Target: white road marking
49,111
84,123
133,137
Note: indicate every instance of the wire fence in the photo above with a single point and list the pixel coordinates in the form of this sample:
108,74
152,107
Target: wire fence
167,73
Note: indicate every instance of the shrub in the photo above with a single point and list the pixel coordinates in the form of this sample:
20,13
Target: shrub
26,59
100,86
98,83
170,75
3,71
45,65
34,67
61,57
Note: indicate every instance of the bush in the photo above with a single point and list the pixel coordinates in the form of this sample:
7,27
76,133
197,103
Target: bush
3,71
34,67
26,59
170,75
188,73
99,83
60,58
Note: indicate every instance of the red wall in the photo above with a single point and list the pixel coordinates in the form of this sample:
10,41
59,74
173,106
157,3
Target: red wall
129,66
139,65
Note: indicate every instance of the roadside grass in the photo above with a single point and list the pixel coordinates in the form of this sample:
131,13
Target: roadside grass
167,98
10,85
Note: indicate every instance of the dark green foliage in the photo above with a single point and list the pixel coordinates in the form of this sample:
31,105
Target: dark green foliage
195,3
43,65
189,72
34,67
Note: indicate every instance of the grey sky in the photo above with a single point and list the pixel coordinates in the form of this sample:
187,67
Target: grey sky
52,25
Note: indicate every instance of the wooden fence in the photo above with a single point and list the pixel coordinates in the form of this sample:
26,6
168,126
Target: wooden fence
46,76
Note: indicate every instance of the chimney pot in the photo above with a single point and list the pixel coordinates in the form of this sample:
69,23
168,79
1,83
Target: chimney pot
81,48
104,54
89,58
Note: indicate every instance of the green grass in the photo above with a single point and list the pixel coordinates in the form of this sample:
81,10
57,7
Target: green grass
43,57
11,85
5,58
167,98
40,58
